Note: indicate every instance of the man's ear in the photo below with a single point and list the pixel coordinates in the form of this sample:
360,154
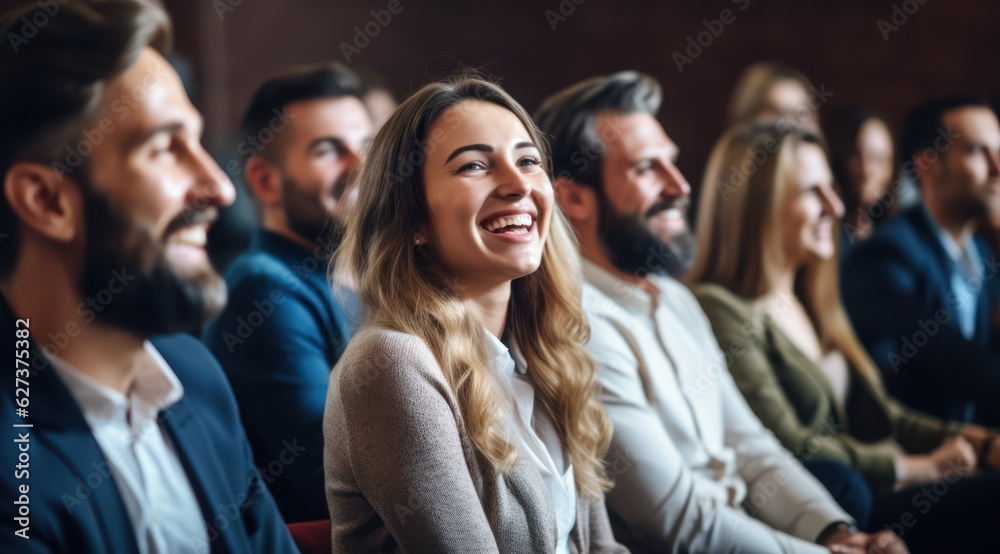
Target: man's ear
44,200
925,168
578,202
264,180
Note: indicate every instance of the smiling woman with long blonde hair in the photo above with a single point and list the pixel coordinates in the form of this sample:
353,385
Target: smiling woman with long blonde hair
766,275
463,417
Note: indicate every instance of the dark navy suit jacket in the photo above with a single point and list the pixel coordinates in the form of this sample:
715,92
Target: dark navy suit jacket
896,288
281,333
74,503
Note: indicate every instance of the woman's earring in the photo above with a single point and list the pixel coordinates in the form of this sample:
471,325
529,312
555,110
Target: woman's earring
416,241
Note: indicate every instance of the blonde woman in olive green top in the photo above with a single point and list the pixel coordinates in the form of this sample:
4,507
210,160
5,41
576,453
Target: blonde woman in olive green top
766,277
790,392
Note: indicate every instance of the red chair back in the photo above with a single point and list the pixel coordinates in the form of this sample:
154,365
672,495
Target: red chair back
312,537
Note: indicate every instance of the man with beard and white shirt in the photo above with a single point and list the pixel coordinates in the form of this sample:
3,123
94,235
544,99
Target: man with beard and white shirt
125,432
306,131
690,460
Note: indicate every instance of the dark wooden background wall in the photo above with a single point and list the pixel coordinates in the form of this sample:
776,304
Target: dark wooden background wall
942,47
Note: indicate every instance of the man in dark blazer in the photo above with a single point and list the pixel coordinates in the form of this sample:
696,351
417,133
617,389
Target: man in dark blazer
924,291
283,329
121,432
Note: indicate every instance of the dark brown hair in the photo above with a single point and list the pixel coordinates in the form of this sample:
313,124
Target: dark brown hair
842,132
55,61
569,117
924,123
327,80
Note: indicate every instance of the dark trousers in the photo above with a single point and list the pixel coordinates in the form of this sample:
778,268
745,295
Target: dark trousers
847,487
952,514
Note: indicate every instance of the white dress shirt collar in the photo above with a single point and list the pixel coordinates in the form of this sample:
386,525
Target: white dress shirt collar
155,387
510,359
623,292
963,253
151,480
966,272
537,436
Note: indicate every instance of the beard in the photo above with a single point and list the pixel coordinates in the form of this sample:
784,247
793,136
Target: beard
155,297
635,249
978,206
971,205
308,217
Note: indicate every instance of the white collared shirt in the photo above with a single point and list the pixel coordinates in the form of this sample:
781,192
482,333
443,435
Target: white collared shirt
687,451
150,477
538,439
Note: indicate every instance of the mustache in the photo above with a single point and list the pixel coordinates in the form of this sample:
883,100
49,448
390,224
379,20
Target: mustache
668,204
343,184
191,216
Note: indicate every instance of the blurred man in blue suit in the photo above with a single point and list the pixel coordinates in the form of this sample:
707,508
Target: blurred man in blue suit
923,294
305,134
125,432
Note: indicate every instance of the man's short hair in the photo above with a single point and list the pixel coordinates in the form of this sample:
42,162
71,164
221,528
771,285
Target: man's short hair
568,118
328,80
52,81
924,123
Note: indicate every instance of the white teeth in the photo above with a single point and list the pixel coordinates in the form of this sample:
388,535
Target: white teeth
195,236
518,220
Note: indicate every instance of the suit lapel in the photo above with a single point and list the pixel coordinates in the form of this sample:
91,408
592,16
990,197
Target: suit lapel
204,470
74,444
941,272
338,333
942,267
987,298
319,288
925,228
58,422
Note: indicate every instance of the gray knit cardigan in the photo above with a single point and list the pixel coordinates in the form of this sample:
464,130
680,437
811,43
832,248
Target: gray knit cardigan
402,473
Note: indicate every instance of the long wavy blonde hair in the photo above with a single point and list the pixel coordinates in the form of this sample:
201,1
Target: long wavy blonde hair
747,182
399,289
